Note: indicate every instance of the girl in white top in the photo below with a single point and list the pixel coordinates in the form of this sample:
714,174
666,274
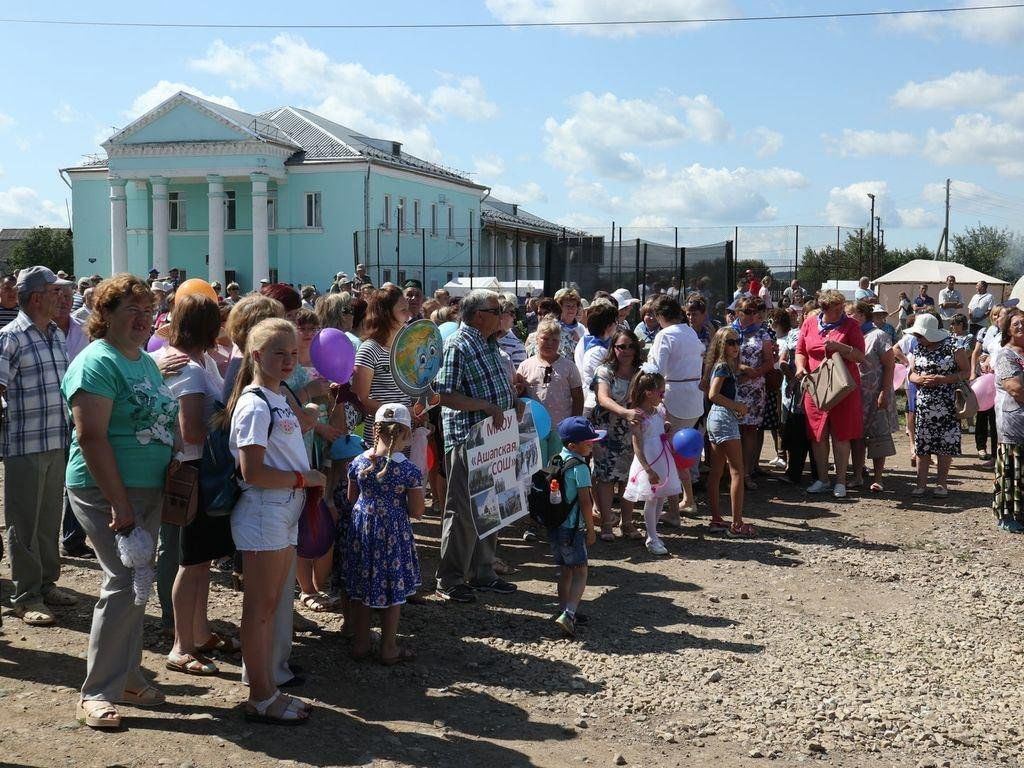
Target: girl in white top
266,440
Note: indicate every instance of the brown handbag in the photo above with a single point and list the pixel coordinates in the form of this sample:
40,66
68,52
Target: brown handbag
830,384
181,495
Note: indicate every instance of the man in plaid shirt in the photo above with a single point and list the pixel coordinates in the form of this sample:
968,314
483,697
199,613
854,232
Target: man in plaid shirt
33,360
474,385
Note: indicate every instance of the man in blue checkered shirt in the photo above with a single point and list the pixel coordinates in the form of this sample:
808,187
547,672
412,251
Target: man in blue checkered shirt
33,360
474,385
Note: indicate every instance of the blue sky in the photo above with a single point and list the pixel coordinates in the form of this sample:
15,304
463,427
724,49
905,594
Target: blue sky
702,127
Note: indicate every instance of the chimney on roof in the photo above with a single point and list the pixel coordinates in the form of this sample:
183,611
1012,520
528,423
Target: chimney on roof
515,209
396,148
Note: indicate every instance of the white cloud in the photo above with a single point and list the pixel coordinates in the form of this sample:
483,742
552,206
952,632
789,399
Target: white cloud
488,167
531,192
22,207
592,193
462,97
917,218
1002,25
977,139
603,132
706,121
769,141
233,64
533,11
870,143
975,88
163,90
698,193
65,113
6,121
850,206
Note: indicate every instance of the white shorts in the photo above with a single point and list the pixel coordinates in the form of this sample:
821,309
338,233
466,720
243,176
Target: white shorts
266,520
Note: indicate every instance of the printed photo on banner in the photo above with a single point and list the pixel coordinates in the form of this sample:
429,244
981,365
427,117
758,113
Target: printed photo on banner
494,459
528,462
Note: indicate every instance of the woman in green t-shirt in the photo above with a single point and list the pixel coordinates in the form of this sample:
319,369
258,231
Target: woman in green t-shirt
124,425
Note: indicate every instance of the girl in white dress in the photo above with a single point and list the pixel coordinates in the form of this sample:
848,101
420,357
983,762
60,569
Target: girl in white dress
652,476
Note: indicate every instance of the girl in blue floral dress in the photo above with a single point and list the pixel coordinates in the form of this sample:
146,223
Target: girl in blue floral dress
382,568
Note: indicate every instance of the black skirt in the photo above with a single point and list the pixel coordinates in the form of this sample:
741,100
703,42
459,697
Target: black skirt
205,538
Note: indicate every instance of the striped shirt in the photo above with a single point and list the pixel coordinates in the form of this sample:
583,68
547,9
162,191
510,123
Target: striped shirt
8,314
473,367
383,388
32,365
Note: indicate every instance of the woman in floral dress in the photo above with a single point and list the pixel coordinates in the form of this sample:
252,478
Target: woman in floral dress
755,361
938,367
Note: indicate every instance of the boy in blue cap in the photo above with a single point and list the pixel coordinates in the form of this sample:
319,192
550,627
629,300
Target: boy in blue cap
568,546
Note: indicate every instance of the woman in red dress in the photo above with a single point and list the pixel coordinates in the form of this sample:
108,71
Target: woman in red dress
822,335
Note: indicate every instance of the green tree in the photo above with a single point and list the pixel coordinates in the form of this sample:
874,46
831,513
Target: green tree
46,246
988,249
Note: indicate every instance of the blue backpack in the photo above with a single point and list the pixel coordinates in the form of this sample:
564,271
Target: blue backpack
219,479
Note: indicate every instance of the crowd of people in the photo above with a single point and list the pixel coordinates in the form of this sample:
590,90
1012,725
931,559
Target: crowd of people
113,385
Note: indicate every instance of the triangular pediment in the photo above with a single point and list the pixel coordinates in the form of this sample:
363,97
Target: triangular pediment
186,118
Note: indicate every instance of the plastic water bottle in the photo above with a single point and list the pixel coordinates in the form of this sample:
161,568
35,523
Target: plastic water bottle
555,494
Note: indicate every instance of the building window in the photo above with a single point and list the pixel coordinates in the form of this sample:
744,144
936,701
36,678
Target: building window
451,275
451,221
387,212
273,275
313,209
176,203
229,209
401,214
433,219
401,277
271,213
387,275
416,216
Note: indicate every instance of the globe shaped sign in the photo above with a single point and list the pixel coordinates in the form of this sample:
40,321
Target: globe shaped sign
416,357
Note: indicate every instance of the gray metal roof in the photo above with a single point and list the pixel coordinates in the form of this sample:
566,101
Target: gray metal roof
502,214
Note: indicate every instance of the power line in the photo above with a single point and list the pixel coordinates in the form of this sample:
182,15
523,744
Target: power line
507,25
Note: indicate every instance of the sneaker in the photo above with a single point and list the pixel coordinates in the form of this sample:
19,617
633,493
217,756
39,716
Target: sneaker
919,490
81,551
567,624
529,535
657,548
460,593
817,486
1012,526
777,463
500,586
839,491
940,492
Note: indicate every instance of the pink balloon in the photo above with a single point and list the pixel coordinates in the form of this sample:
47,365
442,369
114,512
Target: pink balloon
155,342
985,390
899,375
333,355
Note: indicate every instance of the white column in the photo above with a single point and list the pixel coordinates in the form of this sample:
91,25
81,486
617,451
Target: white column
535,270
523,264
215,196
260,235
161,219
492,254
118,227
510,260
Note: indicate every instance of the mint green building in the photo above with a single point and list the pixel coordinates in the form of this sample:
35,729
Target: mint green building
289,196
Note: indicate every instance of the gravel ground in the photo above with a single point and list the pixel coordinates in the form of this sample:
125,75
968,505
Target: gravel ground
869,631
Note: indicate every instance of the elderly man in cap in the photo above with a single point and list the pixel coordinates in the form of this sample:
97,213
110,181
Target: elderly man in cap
361,277
413,292
8,299
34,436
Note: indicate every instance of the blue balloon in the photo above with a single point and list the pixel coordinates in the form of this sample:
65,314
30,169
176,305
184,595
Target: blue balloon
688,443
541,418
447,329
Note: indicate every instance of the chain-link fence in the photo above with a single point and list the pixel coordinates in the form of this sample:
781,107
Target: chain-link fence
642,259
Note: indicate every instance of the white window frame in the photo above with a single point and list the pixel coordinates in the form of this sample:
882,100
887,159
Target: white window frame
433,219
387,212
230,210
451,222
386,275
416,216
313,210
176,221
271,214
401,214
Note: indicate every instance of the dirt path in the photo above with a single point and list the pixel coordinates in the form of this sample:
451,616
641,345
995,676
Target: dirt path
869,631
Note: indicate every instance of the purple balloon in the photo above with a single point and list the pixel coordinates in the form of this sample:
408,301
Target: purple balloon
155,342
333,355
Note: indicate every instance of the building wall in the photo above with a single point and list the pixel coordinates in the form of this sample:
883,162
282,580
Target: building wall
90,218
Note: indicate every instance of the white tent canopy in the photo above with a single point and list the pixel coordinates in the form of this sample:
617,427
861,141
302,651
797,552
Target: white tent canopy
460,285
522,287
1018,290
935,272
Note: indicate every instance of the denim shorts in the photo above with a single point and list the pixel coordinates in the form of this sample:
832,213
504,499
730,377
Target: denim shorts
723,425
911,398
266,520
568,546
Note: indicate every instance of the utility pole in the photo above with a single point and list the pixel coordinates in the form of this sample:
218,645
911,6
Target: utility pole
944,241
878,249
871,222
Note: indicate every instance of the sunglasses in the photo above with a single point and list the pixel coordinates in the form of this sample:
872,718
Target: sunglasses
732,342
494,312
623,346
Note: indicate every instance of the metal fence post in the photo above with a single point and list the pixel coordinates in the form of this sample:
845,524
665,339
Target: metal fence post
378,255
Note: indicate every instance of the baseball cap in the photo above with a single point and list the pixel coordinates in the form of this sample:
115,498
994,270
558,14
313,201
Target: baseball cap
577,429
878,309
32,279
159,285
624,298
413,284
393,413
264,281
